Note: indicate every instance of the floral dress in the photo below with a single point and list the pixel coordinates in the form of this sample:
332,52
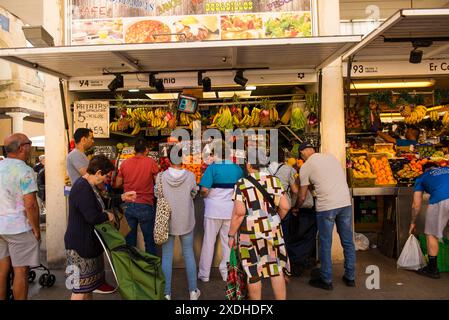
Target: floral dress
261,242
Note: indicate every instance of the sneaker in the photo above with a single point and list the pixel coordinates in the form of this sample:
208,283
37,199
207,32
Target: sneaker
224,275
319,283
195,294
203,279
105,289
315,273
426,271
167,297
348,282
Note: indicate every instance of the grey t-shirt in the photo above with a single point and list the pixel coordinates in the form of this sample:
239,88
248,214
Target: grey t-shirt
75,161
325,173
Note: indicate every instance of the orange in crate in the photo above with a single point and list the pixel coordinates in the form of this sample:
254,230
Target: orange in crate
193,164
382,170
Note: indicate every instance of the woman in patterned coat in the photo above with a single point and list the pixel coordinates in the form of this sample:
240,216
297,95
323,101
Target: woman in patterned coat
256,226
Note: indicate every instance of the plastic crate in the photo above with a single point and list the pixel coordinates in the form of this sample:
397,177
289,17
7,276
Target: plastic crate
443,252
360,183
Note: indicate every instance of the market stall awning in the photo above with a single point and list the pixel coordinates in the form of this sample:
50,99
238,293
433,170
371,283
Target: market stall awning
392,41
77,61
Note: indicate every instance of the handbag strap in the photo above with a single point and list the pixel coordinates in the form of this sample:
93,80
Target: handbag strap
160,190
262,190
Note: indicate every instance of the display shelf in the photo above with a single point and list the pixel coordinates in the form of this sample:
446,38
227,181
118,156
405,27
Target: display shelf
356,134
117,133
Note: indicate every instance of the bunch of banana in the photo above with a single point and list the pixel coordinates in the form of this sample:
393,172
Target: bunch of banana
184,119
446,119
196,116
274,115
113,126
406,111
362,168
136,129
159,112
414,118
255,117
434,116
225,120
298,120
421,110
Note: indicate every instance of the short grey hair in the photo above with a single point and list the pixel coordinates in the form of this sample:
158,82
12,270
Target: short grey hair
13,146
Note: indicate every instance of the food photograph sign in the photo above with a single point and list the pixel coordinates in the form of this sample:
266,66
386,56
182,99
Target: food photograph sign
161,21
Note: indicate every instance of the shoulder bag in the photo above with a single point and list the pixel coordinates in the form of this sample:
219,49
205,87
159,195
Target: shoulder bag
163,213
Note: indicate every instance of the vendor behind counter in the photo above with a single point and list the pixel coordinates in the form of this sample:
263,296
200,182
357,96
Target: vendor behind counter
411,137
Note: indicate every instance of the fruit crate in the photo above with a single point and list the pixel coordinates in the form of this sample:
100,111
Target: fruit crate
360,182
443,252
379,156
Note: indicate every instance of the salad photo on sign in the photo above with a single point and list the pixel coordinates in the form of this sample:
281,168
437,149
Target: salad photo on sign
97,32
147,31
288,25
242,26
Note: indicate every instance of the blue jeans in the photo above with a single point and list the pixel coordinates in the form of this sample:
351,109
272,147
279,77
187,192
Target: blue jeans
143,214
189,260
342,217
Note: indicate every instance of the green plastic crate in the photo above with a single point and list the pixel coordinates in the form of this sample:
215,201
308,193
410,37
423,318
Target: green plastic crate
443,252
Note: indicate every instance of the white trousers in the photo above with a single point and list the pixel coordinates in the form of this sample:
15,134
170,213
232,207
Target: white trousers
211,229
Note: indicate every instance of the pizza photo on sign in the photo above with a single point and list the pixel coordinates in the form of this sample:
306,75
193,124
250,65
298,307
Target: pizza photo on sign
197,28
243,26
289,25
147,31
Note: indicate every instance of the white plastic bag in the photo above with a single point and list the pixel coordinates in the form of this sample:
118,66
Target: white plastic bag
361,242
411,257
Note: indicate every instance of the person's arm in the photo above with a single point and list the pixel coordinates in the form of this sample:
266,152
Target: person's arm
206,182
302,196
119,181
386,137
32,213
284,206
204,192
238,214
89,207
416,208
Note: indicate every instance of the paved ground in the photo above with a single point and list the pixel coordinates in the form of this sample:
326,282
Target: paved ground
394,284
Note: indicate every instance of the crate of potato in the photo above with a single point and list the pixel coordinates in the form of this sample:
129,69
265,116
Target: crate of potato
382,170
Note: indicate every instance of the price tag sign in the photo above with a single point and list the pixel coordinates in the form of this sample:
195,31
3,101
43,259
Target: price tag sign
93,115
151,132
127,150
166,131
108,151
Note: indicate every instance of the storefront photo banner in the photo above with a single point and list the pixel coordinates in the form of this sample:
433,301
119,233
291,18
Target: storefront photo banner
162,21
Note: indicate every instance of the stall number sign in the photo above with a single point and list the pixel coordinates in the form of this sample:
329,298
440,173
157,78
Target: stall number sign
93,115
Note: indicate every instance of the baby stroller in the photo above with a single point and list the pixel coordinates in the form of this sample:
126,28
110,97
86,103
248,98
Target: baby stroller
47,279
138,274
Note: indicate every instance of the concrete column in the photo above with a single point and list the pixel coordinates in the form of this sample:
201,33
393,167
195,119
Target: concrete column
17,120
332,107
55,148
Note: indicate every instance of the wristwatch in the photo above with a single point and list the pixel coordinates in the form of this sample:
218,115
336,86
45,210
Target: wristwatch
231,236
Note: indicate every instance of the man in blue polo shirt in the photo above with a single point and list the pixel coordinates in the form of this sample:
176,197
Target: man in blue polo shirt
411,137
217,185
434,181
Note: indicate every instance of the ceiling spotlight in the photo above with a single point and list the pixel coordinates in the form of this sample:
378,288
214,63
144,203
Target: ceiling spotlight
205,82
156,83
239,79
116,83
415,56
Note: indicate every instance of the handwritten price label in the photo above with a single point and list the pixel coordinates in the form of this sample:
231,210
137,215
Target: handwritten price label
93,115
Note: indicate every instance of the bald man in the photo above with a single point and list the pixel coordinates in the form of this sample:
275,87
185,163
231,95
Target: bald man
19,216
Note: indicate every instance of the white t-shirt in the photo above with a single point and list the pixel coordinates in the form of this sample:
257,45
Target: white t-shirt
325,173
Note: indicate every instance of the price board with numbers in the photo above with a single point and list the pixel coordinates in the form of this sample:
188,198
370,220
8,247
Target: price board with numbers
93,115
108,151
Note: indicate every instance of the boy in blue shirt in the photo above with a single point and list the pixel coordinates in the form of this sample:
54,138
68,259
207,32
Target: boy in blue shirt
434,181
217,187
